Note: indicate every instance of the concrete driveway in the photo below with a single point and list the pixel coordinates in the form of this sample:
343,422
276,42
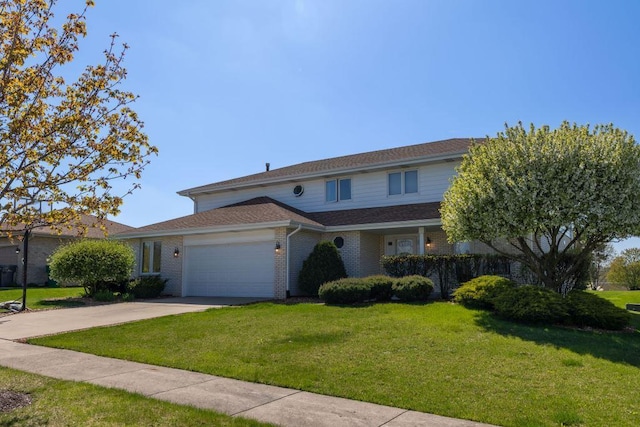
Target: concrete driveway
47,322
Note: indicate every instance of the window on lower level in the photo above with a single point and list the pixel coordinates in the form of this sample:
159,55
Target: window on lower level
403,182
338,189
151,257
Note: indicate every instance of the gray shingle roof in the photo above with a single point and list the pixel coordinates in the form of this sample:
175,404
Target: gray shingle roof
413,212
264,210
90,221
449,147
255,211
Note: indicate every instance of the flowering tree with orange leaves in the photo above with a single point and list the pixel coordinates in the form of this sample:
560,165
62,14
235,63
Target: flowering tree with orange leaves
62,141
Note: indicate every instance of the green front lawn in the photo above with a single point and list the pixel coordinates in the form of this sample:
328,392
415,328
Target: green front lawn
66,403
620,298
44,298
438,357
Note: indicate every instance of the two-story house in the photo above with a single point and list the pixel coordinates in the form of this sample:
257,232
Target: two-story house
249,236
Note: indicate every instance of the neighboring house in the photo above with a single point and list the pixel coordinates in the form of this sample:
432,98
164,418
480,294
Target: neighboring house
249,236
43,242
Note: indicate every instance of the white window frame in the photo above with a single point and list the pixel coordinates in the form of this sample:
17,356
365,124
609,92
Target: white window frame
338,197
403,183
152,257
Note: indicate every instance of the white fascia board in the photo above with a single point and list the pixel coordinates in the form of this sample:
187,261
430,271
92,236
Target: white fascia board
383,225
219,229
208,189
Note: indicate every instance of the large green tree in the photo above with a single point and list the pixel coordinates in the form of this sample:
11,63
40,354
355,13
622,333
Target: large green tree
547,198
625,269
65,137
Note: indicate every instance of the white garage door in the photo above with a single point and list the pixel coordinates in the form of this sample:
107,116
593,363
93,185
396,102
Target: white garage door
230,270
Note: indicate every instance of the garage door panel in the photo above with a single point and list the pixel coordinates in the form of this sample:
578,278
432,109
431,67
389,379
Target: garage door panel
245,269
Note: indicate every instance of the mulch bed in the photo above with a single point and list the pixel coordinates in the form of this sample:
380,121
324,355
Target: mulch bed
10,400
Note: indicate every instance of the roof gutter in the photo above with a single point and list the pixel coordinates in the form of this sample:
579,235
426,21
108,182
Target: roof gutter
289,258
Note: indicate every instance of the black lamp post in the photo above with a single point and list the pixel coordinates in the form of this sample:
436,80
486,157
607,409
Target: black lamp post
25,260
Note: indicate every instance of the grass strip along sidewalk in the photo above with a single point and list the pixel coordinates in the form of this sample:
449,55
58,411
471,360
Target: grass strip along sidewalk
64,403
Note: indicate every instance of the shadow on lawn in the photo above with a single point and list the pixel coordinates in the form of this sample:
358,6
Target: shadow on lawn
618,347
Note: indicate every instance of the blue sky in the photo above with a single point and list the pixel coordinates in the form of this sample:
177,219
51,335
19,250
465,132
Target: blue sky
228,85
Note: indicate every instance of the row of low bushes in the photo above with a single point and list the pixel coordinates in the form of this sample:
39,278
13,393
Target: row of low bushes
534,304
376,288
448,270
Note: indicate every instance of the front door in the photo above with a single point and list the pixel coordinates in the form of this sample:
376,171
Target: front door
400,245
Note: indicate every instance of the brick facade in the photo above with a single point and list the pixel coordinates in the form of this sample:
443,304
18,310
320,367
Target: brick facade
350,252
40,249
280,276
439,244
170,266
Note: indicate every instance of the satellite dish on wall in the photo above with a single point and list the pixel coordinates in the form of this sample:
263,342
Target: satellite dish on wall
298,190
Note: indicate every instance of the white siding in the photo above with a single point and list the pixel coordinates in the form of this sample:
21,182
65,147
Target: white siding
368,189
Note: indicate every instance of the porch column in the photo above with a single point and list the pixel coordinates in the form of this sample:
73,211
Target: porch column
420,240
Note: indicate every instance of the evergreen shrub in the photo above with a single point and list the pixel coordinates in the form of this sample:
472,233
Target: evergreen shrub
480,292
145,287
323,265
345,291
586,309
381,287
531,304
413,288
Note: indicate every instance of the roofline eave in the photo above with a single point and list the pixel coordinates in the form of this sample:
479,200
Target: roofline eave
218,229
384,225
277,224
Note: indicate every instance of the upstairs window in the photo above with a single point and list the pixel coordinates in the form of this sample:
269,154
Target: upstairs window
403,182
338,189
151,256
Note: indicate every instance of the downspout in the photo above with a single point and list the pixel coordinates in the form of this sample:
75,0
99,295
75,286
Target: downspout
287,269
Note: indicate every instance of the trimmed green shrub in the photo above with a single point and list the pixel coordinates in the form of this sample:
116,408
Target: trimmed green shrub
590,310
381,287
116,286
480,292
345,291
127,297
147,286
92,263
104,295
531,304
413,288
323,265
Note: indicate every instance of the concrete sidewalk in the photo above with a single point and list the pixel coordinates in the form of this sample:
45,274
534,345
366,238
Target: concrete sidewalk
277,405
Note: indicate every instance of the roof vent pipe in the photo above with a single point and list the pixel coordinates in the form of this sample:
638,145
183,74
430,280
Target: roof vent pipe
267,165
